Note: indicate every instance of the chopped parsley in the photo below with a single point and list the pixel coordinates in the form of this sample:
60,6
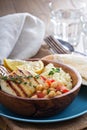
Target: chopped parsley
16,78
48,90
4,77
53,71
34,86
25,83
37,76
30,84
30,76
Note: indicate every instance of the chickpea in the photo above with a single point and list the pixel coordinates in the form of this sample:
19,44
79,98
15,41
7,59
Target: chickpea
46,86
38,91
51,94
58,93
52,89
54,84
40,87
45,92
34,96
46,96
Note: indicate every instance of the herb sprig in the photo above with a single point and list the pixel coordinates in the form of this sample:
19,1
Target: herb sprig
16,78
53,71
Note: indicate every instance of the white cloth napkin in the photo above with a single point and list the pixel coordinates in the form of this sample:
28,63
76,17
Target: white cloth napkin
21,35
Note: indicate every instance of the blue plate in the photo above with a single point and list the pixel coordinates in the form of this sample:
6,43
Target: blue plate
77,108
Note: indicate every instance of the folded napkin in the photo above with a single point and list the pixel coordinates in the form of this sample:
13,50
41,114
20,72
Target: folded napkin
21,35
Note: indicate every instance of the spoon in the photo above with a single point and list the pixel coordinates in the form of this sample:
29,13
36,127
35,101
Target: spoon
69,47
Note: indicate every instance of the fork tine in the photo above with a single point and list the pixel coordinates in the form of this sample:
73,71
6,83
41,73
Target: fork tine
3,71
55,45
58,44
51,45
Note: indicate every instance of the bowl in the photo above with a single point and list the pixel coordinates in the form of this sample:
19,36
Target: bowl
43,107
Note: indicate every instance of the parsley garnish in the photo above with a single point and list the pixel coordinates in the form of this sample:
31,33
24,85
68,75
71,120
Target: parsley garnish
30,76
37,76
51,73
54,70
25,83
48,90
30,84
16,78
34,86
4,77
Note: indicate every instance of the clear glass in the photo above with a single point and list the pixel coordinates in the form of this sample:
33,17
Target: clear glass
84,32
65,21
85,43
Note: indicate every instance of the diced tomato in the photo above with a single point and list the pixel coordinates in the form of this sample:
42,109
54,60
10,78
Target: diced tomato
40,95
60,84
57,88
64,89
43,78
49,81
61,88
52,80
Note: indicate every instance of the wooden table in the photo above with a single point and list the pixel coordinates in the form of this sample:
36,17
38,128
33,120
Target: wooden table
35,7
38,8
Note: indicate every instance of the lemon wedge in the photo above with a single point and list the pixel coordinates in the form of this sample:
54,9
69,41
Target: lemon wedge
12,64
35,66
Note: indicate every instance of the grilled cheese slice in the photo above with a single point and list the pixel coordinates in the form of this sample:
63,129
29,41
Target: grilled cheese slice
24,89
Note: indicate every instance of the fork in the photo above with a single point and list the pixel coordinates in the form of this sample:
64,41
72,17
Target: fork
3,71
55,45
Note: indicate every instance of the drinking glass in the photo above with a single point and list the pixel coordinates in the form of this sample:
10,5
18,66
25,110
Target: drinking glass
65,21
84,32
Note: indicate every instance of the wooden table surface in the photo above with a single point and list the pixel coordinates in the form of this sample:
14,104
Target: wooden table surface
36,7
